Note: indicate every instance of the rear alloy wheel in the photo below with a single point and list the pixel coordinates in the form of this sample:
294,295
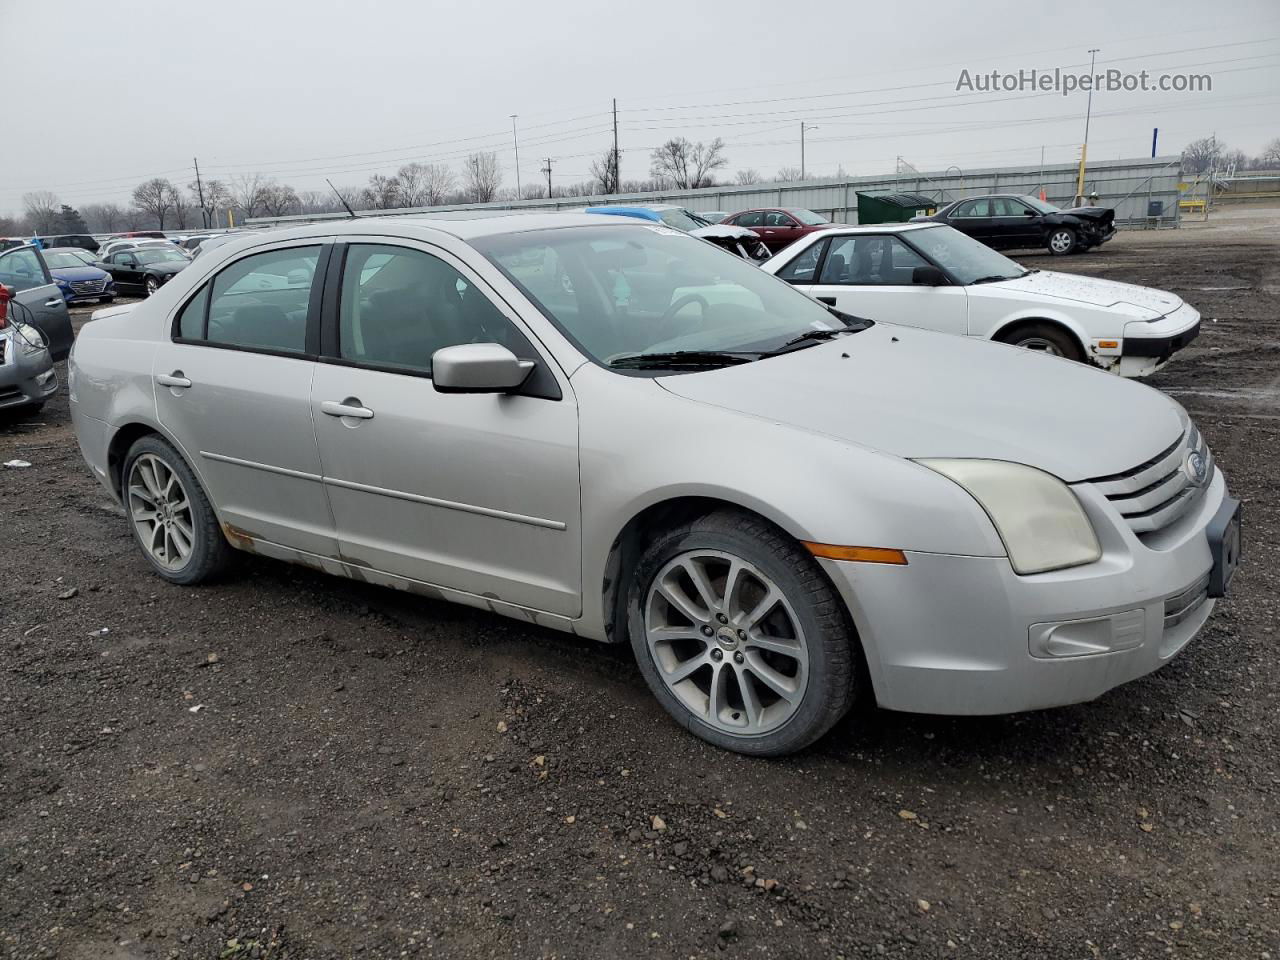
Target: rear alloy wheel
152,286
1062,240
170,515
740,636
1045,338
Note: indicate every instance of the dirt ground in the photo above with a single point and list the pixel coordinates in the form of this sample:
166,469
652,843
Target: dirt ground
288,765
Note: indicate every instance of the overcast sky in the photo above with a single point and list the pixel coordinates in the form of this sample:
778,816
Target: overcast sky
115,91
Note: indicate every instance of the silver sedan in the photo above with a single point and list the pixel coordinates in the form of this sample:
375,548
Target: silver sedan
611,428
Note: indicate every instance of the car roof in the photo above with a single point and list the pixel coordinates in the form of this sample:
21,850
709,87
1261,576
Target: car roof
462,224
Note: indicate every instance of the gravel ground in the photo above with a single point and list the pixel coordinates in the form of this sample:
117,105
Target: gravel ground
288,765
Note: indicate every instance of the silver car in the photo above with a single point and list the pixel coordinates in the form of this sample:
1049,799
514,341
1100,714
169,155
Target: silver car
608,427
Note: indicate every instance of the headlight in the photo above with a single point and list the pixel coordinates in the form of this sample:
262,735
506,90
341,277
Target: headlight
1037,516
29,339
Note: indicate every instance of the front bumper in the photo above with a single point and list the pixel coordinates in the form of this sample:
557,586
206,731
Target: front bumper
25,378
1149,345
950,634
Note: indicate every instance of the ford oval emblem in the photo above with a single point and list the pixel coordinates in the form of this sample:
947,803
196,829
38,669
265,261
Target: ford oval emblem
1196,467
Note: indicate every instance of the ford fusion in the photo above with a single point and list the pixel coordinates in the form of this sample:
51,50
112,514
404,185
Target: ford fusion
610,428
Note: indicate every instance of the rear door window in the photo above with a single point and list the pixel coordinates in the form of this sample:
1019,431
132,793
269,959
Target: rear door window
261,302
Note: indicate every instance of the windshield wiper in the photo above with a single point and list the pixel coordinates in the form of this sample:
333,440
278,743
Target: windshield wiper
810,336
681,358
994,278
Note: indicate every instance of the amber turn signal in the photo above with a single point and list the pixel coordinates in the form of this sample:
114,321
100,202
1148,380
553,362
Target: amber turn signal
831,551
1108,344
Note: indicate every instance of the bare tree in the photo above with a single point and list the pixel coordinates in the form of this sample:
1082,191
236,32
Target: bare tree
1201,156
787,174
212,196
246,193
1269,158
155,197
747,177
482,176
103,217
180,207
11,226
41,207
439,182
688,165
411,181
381,193
605,172
278,198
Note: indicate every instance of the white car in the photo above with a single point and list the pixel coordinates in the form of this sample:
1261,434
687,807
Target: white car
930,275
608,427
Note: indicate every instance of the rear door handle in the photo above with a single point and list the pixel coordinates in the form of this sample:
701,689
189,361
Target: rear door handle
830,301
175,379
347,408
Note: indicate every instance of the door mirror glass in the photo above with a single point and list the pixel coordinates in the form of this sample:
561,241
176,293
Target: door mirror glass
928,276
478,368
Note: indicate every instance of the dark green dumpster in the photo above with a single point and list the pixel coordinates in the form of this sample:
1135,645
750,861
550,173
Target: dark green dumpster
894,207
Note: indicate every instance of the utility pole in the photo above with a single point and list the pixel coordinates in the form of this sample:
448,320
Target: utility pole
547,171
801,149
515,141
1088,112
204,214
617,162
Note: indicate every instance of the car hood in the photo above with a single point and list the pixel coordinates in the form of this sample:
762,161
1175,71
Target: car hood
1101,214
166,267
76,274
913,393
724,231
1091,291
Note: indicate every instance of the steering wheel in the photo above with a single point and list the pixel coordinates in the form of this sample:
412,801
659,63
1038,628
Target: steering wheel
667,322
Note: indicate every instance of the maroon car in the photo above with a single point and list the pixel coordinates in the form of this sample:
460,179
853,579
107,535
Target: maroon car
779,226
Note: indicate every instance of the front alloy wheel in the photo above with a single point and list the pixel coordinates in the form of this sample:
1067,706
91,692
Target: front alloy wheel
1062,241
152,286
740,635
726,642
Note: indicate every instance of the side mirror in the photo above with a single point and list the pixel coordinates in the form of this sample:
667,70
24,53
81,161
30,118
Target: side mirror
478,368
928,276
1028,213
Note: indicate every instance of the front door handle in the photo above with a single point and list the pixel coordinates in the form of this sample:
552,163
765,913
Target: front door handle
53,301
349,407
830,301
175,379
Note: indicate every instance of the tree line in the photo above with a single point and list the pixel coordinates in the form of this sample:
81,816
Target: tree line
680,164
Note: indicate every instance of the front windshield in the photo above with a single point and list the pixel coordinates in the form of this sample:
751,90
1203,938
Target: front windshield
58,261
159,256
682,219
964,258
1040,205
618,291
807,217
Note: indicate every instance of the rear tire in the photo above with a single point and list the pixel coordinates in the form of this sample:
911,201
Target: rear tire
171,518
1061,241
746,672
1045,337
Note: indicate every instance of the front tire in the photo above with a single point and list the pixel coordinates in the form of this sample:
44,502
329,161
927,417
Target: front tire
1061,241
1046,338
740,636
152,285
169,514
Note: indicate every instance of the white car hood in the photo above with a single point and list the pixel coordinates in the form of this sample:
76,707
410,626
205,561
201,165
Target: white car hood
725,232
1089,290
914,393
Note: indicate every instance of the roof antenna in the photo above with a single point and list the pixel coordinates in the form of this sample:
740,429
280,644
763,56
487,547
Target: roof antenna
340,197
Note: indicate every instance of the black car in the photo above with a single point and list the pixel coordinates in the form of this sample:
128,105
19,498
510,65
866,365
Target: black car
143,269
1005,221
81,240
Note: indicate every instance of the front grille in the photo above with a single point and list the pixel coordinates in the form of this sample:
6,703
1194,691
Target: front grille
1158,491
83,287
1179,608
